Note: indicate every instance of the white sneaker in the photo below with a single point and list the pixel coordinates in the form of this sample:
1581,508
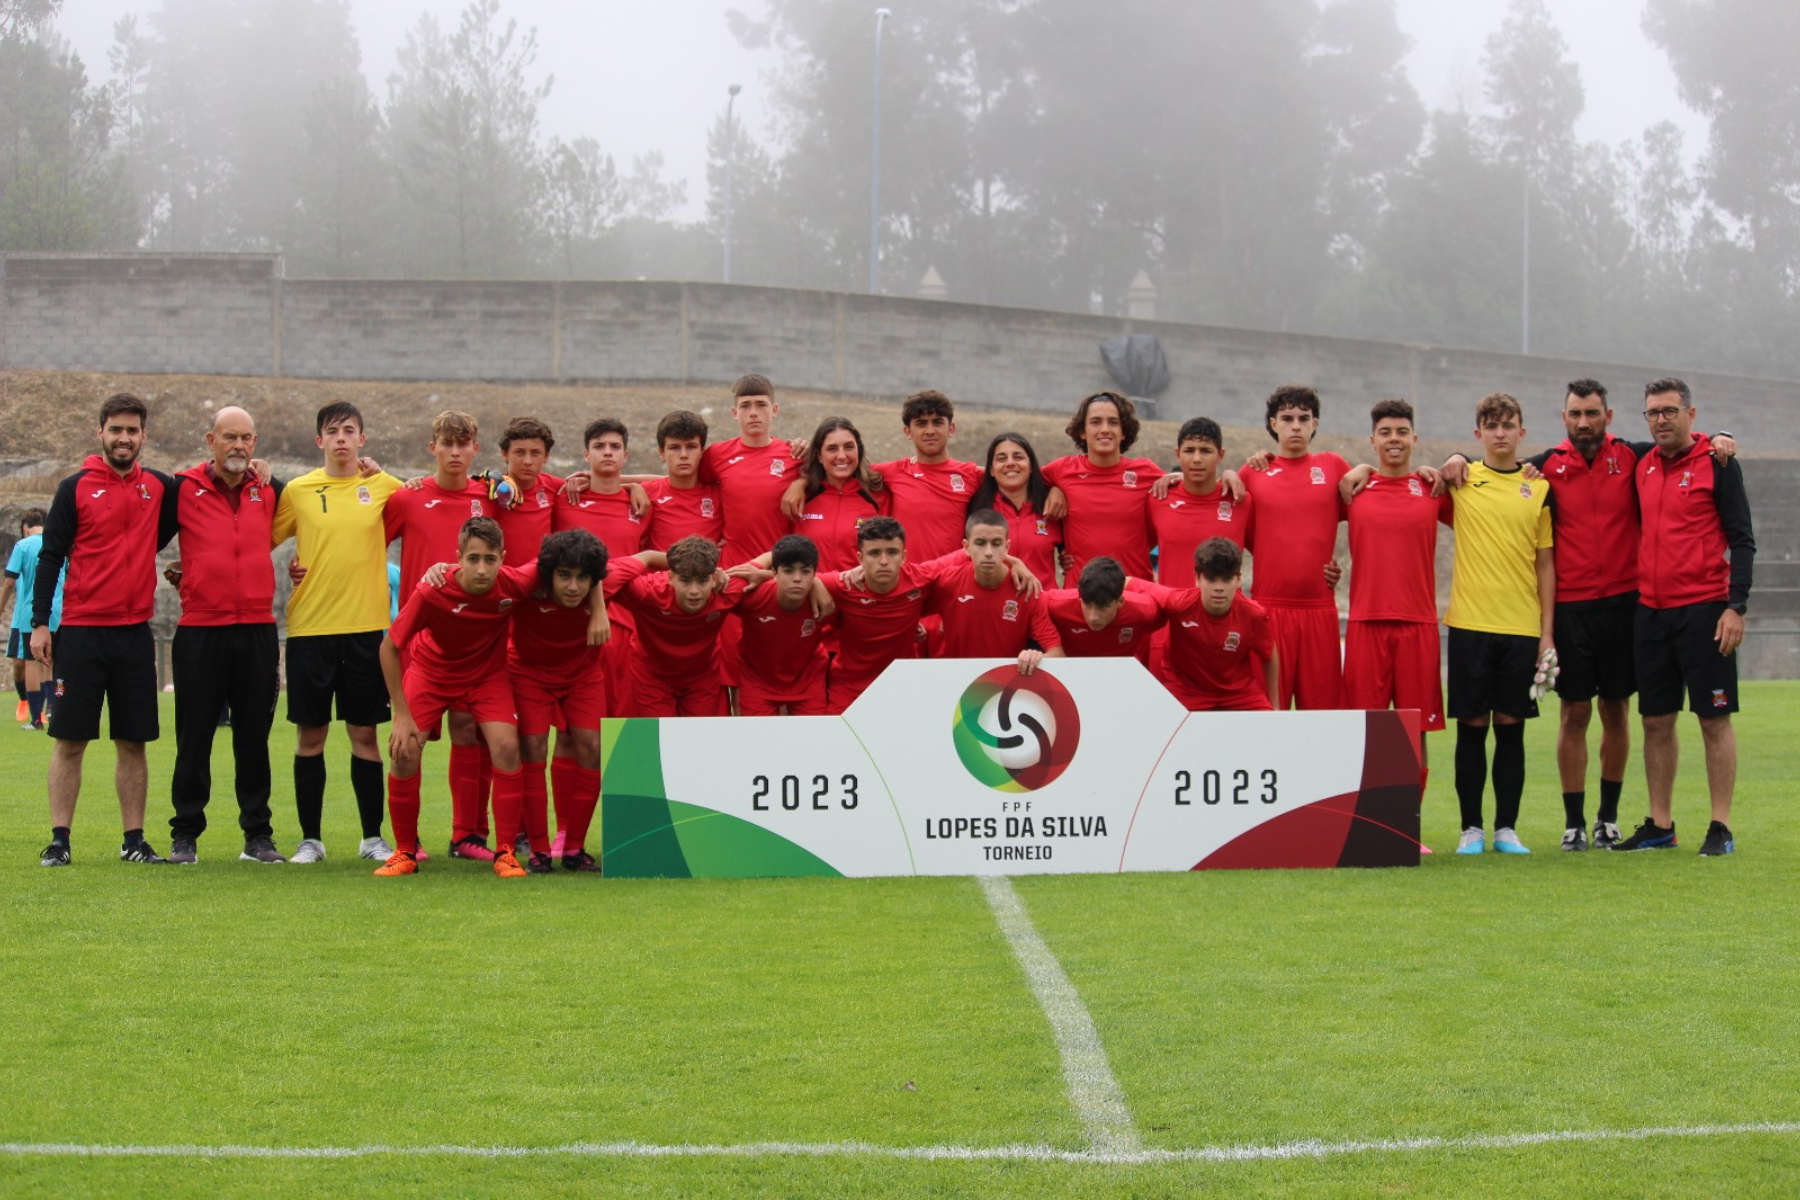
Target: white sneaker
375,848
1507,842
310,850
1472,841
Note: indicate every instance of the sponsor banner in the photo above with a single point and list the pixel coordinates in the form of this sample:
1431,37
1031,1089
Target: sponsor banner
966,767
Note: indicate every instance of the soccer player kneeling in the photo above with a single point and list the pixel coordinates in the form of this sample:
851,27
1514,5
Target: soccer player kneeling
680,616
1221,642
456,636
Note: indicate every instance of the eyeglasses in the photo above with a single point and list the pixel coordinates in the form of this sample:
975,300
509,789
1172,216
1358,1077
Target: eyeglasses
1661,414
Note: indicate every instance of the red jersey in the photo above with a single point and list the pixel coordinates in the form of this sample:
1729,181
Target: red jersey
1393,552
1181,521
1140,615
1108,510
427,519
675,644
1031,539
526,526
676,513
982,622
1596,519
608,517
550,641
108,528
931,500
874,630
1220,659
751,481
454,639
1695,510
781,650
227,576
1297,513
832,518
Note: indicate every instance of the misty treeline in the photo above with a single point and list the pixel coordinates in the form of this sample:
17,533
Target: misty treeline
1267,162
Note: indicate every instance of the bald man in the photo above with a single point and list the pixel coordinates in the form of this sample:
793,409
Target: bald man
225,645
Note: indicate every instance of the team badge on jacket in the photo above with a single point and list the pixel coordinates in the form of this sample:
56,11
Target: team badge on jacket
1231,640
706,507
1011,611
1131,479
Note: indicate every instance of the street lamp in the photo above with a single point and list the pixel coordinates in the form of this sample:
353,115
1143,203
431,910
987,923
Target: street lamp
881,16
731,95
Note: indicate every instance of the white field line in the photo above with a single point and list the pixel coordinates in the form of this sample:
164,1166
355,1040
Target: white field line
1099,1101
1206,1154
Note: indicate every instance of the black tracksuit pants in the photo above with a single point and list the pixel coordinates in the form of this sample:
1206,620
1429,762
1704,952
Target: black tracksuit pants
216,665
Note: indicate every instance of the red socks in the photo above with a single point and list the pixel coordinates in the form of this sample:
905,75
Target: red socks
577,796
467,796
509,803
403,812
537,805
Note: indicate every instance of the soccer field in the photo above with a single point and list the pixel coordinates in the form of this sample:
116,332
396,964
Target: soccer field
1554,1025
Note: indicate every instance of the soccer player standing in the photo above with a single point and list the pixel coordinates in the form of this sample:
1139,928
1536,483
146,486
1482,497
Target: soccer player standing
1014,486
680,614
106,522
21,578
1197,509
680,505
1501,619
878,622
1690,617
930,491
428,520
225,649
782,652
1391,647
1107,494
605,509
525,521
1292,547
336,619
841,493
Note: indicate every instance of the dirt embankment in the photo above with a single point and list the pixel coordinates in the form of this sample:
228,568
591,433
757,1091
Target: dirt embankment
47,421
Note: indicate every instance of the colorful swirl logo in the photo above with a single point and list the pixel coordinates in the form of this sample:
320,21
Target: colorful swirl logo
1016,733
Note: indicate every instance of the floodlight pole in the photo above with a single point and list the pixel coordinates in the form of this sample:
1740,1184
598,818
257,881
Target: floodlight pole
731,95
881,16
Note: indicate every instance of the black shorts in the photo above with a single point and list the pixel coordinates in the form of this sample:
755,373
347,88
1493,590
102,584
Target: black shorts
1491,673
346,666
1676,653
18,643
1595,642
110,664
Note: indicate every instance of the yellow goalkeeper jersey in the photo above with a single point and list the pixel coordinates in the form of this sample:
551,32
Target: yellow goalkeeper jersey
1501,522
339,539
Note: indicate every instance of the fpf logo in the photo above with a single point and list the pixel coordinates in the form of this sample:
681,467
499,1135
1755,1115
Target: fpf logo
1016,733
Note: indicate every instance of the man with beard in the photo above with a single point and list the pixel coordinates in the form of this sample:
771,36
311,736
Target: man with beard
107,522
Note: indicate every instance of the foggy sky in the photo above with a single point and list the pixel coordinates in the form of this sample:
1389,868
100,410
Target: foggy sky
642,77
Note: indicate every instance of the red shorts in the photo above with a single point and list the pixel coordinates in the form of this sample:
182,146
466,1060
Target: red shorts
755,700
1394,662
490,699
730,638
1252,697
841,692
1311,667
659,696
547,702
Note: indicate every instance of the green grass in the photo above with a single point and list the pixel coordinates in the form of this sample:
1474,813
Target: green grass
287,1006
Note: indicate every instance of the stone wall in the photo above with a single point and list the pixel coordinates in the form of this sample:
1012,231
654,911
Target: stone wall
236,314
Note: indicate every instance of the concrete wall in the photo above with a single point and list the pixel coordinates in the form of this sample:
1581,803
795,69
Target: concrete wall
236,314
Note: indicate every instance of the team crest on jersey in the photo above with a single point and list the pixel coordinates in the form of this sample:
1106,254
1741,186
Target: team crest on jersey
543,498
631,515
956,482
1719,698
1318,474
777,466
1131,479
1413,488
914,594
143,492
1011,611
1224,510
808,627
1686,478
1126,634
505,606
475,508
706,507
814,517
363,496
1043,527
1231,639
1525,490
